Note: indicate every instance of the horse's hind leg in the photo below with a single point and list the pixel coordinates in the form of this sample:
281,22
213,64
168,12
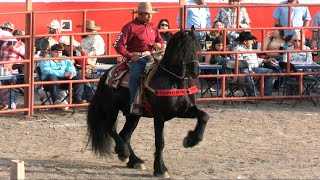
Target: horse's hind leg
195,136
126,133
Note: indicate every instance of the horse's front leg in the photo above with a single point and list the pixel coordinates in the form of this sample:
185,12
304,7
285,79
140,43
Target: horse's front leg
195,136
126,133
160,169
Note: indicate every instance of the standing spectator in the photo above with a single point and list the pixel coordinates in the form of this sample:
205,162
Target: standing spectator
300,17
54,70
164,24
245,44
229,17
135,42
274,41
316,32
199,18
92,44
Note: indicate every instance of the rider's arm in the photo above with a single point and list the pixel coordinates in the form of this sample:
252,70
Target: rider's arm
121,41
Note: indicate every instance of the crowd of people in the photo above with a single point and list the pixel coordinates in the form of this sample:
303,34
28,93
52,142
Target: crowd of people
139,37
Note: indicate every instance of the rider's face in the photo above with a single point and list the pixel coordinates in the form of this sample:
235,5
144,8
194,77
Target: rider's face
145,17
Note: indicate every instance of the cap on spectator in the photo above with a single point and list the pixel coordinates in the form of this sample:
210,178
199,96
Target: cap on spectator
66,40
7,25
54,24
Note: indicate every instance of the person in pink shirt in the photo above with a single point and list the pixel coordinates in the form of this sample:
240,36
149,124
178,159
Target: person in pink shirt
135,42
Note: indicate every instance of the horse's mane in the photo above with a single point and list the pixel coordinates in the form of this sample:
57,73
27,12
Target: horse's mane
182,48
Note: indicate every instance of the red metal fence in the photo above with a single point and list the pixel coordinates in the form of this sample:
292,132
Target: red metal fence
30,82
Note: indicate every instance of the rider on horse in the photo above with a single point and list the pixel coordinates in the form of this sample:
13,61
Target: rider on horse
135,42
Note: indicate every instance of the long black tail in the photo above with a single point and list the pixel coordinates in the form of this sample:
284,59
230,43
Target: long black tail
98,119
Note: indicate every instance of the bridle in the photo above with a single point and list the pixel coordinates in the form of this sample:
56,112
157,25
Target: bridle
196,62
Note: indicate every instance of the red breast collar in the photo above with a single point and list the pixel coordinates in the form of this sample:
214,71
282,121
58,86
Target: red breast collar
177,92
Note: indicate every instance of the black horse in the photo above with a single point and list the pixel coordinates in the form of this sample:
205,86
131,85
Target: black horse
178,72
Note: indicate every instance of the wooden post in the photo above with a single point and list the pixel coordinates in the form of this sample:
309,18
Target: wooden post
17,170
28,67
181,15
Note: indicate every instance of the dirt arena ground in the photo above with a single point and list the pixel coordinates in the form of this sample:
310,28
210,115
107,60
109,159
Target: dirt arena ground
267,141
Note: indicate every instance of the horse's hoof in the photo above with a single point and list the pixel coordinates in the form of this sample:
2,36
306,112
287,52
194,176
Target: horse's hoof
122,159
165,175
139,166
185,142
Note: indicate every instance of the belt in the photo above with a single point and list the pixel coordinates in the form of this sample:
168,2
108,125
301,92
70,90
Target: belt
145,53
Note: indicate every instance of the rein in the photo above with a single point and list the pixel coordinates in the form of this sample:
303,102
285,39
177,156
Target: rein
184,70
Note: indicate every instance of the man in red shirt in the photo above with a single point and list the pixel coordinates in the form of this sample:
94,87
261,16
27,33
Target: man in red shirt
135,42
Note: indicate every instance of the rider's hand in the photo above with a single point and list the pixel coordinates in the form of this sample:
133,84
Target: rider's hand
157,46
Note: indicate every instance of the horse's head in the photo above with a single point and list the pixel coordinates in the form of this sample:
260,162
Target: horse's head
181,56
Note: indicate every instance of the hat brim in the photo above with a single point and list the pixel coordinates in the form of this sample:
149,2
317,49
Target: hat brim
96,28
153,11
246,39
6,27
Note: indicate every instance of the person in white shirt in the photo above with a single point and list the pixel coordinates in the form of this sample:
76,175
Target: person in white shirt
93,44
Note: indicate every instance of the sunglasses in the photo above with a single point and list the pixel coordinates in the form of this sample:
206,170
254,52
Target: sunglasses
297,40
165,25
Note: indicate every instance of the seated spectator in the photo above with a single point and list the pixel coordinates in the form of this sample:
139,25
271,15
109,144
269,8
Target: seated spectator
54,28
92,44
12,50
89,88
245,40
217,33
21,44
6,30
8,97
220,59
54,70
274,41
299,57
166,35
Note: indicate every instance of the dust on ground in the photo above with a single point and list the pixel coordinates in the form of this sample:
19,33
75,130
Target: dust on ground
264,141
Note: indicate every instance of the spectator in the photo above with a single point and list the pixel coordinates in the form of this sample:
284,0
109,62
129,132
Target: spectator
8,97
316,32
21,44
6,31
217,45
92,44
274,41
88,88
229,16
245,40
301,57
7,26
164,24
54,28
199,18
12,50
136,47
217,33
300,17
54,70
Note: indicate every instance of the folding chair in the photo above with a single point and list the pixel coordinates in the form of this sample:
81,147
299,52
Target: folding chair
47,93
291,83
247,84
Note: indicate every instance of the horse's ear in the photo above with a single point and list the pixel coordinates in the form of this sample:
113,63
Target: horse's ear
193,30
